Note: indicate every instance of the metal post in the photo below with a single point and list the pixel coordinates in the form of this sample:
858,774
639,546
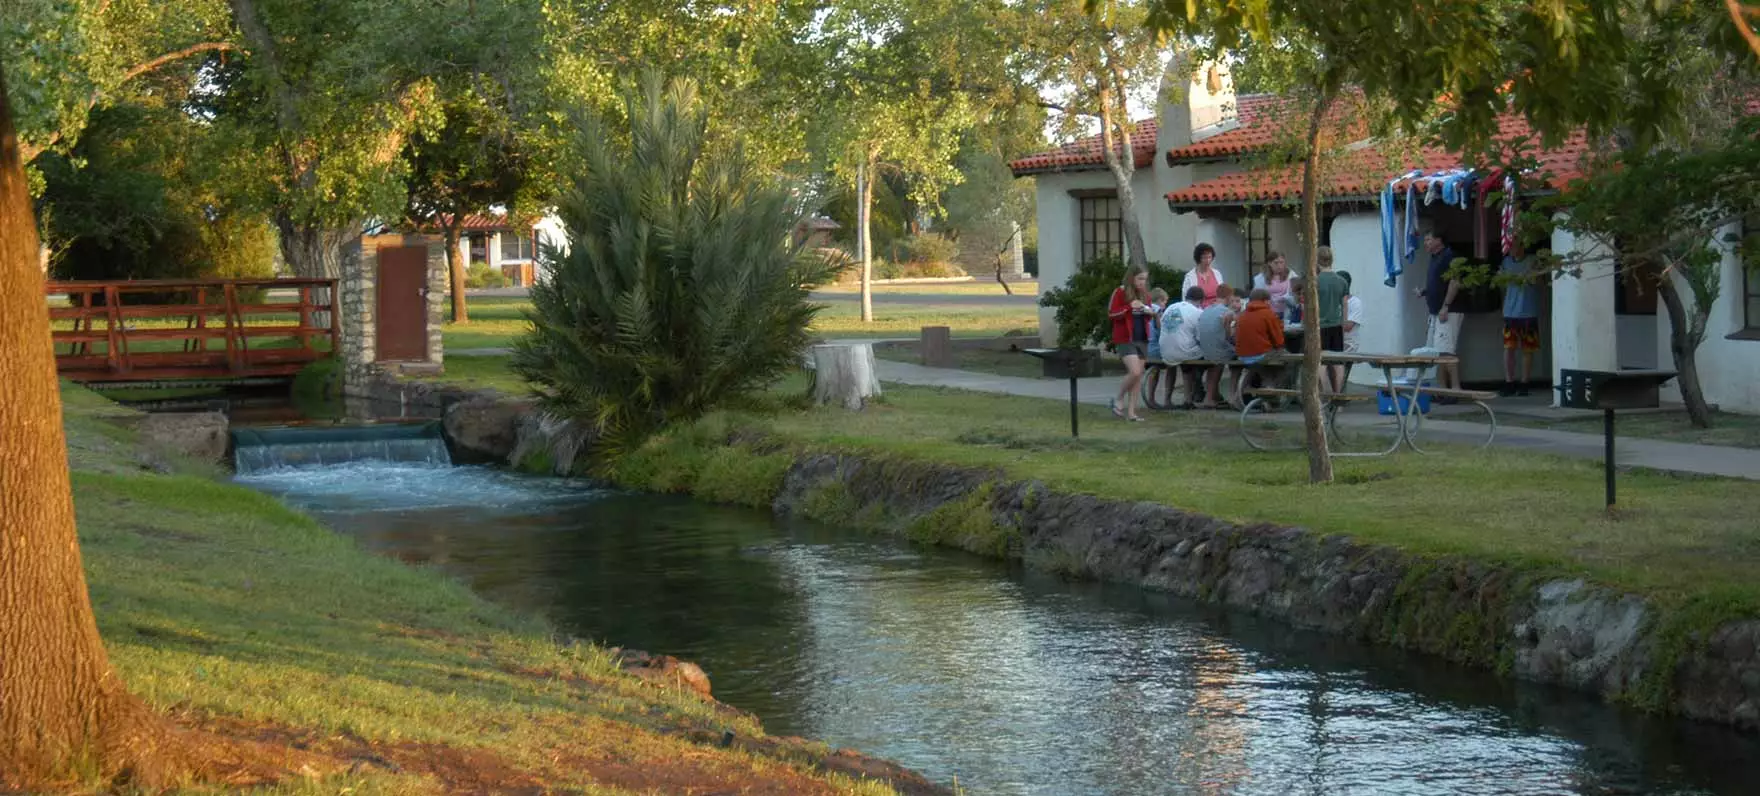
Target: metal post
1607,431
1073,431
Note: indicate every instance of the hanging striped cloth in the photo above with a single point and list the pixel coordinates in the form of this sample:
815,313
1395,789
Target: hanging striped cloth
1509,212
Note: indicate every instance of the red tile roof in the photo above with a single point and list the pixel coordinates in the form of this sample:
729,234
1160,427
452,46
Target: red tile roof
1084,154
484,222
1364,172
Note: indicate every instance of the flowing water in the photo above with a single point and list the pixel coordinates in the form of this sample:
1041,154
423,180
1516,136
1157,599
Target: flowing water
1009,681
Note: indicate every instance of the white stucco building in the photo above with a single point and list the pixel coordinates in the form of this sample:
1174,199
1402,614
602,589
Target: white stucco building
1197,183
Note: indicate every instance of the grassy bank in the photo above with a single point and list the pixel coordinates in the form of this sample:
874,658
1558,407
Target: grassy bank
496,320
232,613
1682,540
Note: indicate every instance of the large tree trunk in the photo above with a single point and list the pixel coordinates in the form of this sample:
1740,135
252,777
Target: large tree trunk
1121,160
455,270
311,251
1313,426
864,235
1685,333
61,706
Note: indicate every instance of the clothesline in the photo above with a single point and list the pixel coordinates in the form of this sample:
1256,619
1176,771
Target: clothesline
1459,187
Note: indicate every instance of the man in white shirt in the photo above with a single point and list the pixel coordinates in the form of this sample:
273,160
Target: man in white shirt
1353,323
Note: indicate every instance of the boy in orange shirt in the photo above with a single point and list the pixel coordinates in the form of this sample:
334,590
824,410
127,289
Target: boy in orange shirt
1257,332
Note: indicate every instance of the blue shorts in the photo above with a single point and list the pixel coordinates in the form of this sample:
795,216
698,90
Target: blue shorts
1253,360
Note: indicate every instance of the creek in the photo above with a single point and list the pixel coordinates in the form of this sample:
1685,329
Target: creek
1008,681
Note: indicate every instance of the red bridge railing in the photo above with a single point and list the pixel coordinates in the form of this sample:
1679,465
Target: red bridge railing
189,329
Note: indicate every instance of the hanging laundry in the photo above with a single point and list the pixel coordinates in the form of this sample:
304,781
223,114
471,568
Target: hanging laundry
1412,236
1393,262
1482,217
1451,186
1509,213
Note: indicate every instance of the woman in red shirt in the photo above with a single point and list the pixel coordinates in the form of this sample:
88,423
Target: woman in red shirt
1131,322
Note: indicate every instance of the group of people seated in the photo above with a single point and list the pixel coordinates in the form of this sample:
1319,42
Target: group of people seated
1212,331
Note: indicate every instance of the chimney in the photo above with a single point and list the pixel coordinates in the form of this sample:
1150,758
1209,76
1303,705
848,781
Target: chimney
1197,101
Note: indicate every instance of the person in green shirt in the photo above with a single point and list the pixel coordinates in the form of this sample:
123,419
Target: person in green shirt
1334,293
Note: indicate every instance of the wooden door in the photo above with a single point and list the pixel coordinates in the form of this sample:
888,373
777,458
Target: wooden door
402,312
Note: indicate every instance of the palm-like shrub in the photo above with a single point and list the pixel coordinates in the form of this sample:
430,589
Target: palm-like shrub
679,289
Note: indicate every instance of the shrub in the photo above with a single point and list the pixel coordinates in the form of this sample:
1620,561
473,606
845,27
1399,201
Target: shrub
929,249
679,290
481,275
1081,303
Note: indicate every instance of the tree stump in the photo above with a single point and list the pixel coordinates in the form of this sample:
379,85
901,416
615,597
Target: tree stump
844,373
937,347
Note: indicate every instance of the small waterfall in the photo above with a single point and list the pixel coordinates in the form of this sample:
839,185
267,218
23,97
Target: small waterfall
259,449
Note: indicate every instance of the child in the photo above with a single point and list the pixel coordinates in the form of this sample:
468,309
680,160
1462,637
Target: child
1216,340
1258,332
1157,303
1179,342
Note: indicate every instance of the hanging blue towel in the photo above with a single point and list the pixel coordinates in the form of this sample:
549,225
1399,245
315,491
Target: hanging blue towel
1393,262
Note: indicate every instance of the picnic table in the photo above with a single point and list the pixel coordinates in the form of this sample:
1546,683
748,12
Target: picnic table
1405,398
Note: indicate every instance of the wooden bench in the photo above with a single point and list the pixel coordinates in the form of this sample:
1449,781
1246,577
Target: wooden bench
1155,369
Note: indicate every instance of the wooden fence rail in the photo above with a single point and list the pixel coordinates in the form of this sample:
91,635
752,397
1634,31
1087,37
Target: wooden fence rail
182,329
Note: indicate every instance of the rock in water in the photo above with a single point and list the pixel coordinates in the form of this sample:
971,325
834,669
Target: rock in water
663,670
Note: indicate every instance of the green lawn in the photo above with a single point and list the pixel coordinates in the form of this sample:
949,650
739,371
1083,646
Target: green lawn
231,613
1727,429
981,286
496,321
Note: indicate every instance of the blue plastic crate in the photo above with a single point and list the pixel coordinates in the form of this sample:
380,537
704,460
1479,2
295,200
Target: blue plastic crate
1384,402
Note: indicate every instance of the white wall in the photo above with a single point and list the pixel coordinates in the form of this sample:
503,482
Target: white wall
1059,216
549,231
1393,318
1729,370
1583,323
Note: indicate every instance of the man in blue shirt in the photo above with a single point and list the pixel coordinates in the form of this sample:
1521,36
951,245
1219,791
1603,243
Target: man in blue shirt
1439,292
1521,319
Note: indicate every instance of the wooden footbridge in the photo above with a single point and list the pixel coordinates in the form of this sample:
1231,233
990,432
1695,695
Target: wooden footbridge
160,330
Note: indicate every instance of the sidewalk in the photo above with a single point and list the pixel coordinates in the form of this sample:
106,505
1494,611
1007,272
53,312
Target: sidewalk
1629,451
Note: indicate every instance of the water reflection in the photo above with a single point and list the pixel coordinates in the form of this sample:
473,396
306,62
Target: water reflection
1013,682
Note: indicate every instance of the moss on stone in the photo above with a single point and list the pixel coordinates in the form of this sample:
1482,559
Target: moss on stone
739,475
1681,630
970,524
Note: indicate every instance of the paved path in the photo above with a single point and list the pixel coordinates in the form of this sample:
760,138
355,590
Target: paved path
1630,451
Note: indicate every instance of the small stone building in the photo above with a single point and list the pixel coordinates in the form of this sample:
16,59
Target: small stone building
393,305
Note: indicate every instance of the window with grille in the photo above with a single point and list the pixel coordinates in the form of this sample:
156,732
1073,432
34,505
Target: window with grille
517,246
1101,227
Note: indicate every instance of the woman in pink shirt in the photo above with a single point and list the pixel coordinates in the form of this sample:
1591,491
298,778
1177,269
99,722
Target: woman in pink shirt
1203,273
1275,281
